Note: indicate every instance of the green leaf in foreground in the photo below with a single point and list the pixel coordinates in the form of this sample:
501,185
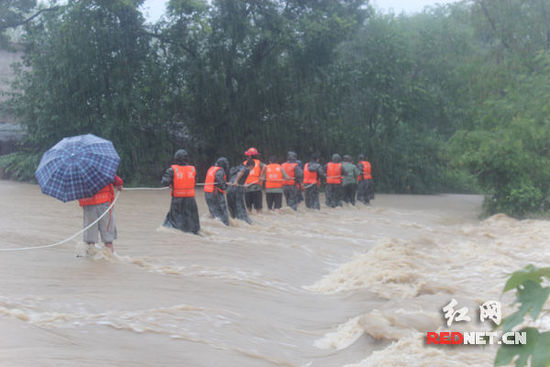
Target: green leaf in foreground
532,296
537,348
530,272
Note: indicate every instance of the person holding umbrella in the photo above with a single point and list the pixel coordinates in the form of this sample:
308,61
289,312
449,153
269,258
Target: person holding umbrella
183,214
84,168
93,207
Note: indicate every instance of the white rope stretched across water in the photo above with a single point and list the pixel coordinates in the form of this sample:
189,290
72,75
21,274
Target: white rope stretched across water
94,222
89,226
67,239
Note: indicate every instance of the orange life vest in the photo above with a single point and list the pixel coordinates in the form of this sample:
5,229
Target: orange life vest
273,176
209,182
105,195
334,173
254,175
290,171
366,171
310,177
183,185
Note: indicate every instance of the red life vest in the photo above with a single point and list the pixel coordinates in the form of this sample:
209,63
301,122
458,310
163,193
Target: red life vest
290,171
366,171
254,175
105,195
209,182
273,176
310,178
183,185
334,173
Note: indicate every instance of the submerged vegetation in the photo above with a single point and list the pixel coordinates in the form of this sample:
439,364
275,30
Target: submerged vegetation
455,98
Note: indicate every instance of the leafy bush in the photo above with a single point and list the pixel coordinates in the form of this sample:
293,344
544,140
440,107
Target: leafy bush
531,296
508,151
19,166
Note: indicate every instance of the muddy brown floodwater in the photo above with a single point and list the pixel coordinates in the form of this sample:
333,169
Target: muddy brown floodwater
354,286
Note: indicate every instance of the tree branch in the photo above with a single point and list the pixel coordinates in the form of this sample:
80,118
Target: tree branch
29,19
492,22
169,41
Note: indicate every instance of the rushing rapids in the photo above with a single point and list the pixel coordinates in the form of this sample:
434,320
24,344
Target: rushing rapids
353,286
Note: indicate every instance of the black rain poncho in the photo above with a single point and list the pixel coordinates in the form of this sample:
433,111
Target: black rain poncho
216,199
235,194
183,214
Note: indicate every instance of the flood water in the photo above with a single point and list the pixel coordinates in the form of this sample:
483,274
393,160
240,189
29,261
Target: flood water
353,286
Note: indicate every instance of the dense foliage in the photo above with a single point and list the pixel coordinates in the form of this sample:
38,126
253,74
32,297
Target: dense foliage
531,296
451,99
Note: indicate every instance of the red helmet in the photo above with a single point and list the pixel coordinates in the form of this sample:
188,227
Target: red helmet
251,151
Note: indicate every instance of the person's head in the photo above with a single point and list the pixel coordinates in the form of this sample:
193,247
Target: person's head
292,156
251,152
272,159
315,157
250,163
360,157
347,158
181,156
223,163
336,158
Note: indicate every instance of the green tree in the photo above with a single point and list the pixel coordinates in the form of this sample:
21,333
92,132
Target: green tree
15,13
90,68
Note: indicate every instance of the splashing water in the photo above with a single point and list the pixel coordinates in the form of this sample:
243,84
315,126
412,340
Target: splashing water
355,286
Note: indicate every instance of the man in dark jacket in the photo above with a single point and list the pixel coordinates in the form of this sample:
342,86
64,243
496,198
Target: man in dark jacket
295,175
236,190
183,214
333,189
365,187
349,180
214,189
313,172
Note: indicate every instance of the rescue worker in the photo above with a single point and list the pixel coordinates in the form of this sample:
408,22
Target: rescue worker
300,185
274,177
349,180
333,190
313,172
365,189
253,193
295,175
183,214
93,207
214,189
236,190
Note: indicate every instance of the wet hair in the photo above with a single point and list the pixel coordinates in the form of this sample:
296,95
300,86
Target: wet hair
336,158
292,156
181,156
223,163
315,156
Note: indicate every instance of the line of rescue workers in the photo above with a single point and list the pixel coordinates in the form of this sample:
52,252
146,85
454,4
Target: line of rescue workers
231,192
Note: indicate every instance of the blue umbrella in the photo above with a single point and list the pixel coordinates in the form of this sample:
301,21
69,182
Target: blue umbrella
77,167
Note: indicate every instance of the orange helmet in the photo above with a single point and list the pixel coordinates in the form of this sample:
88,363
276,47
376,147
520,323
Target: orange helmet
251,151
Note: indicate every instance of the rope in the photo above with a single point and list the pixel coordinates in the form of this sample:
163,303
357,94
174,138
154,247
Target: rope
70,238
104,213
145,188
